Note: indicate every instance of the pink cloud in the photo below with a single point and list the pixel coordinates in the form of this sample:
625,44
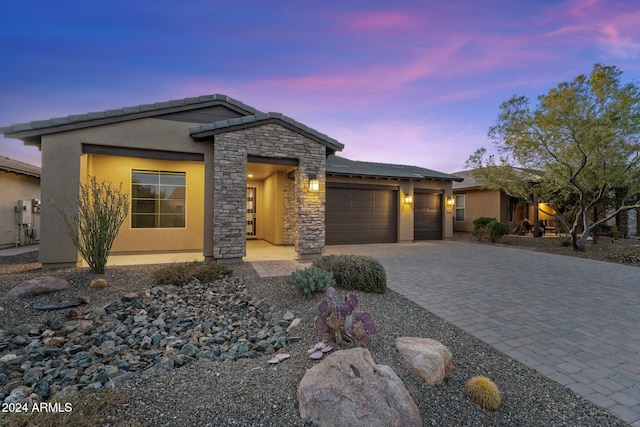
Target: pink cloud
612,26
379,21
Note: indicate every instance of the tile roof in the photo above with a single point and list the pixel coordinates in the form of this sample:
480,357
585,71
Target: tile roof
470,181
17,167
222,126
41,127
340,166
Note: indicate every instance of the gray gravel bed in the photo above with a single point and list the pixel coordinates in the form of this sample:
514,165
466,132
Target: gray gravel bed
251,392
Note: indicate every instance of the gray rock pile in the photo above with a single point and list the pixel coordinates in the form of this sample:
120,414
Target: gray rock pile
162,328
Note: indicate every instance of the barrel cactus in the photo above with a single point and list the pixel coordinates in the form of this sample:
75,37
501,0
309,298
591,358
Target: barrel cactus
484,393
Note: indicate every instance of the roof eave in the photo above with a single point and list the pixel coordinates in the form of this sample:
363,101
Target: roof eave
205,132
379,176
35,129
20,172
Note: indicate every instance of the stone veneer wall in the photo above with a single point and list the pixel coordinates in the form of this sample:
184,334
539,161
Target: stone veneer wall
633,222
230,180
290,212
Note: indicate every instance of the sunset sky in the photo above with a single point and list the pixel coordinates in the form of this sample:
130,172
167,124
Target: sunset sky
411,82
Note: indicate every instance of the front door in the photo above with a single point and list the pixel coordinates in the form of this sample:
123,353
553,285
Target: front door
251,212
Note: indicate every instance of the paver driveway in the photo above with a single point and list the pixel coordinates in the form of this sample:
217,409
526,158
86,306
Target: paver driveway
574,320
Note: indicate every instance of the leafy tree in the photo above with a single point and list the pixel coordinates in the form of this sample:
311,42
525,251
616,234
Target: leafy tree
579,149
93,221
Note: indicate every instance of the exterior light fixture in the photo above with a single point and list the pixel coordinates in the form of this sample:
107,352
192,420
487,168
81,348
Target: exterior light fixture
450,201
314,184
408,198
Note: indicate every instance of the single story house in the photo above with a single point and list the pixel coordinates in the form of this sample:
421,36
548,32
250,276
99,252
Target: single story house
472,201
20,203
205,174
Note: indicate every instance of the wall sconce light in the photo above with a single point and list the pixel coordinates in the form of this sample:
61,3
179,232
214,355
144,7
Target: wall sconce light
314,184
408,198
450,201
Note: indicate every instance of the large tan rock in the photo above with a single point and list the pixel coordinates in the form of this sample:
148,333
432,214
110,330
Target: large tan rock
430,359
348,389
37,286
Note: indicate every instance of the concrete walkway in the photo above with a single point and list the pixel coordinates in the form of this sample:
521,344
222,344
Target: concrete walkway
575,321
19,250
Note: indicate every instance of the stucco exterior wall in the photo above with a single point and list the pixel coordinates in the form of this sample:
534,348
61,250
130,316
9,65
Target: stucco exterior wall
118,170
230,170
62,168
479,203
16,187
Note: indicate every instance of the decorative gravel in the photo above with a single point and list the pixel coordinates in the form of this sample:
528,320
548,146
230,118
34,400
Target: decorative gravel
248,391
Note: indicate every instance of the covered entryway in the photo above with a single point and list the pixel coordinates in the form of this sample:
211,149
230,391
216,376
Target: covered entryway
427,217
268,183
356,215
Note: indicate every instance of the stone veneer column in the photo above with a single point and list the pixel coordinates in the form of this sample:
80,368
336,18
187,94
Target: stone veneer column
633,222
290,212
230,169
229,198
310,236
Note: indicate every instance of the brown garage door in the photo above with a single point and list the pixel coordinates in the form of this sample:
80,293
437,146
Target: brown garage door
427,219
361,215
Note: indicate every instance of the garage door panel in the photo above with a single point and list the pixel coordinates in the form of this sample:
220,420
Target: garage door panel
428,216
358,215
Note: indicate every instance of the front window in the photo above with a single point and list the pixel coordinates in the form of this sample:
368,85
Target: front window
158,199
459,207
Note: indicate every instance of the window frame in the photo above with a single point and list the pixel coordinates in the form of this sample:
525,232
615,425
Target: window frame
460,208
161,189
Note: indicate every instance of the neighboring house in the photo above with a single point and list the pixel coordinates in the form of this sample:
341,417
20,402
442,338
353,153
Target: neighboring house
204,174
473,201
19,204
628,223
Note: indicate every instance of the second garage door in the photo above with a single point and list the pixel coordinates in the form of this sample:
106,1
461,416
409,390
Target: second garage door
427,219
361,215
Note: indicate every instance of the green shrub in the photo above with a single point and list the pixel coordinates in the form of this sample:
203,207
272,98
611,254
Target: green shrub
183,273
565,241
615,233
496,230
479,228
355,272
311,280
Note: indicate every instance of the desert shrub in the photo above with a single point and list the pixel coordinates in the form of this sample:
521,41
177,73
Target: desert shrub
311,280
341,322
183,273
93,220
565,241
479,228
354,272
615,233
496,230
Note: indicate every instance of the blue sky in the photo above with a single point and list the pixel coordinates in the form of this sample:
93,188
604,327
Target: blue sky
412,82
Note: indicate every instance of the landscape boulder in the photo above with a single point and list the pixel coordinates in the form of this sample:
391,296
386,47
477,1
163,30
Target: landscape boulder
348,388
37,286
430,359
